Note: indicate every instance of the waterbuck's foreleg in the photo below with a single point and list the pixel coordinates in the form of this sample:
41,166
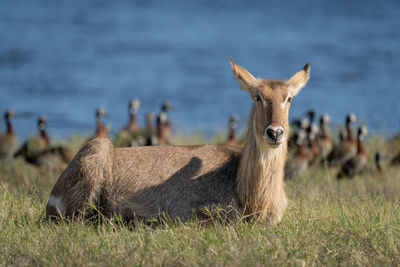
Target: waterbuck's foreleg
80,185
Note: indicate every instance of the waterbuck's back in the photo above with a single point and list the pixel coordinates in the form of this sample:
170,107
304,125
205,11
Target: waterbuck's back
147,181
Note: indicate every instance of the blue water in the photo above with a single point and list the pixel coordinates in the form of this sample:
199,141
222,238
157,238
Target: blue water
65,58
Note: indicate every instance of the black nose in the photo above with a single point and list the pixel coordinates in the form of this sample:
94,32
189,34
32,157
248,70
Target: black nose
275,135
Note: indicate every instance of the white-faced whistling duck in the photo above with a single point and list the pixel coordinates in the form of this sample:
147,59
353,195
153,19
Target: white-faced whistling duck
101,130
342,135
232,138
378,164
151,133
396,160
44,138
298,126
346,149
133,125
314,151
131,134
164,124
324,140
38,151
36,145
311,116
298,163
8,140
162,129
357,163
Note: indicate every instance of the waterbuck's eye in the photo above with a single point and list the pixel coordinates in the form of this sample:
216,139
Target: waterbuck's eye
258,98
290,99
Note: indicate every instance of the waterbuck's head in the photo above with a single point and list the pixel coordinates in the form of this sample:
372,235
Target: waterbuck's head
271,103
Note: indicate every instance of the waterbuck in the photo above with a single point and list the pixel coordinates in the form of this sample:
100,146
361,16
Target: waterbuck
182,181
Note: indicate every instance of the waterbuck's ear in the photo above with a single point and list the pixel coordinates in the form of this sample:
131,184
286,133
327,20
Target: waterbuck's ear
246,80
299,80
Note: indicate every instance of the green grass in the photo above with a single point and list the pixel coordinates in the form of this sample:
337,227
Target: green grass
350,222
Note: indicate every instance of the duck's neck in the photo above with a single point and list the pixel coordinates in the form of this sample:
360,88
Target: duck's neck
314,147
10,128
133,123
360,147
45,137
161,134
149,126
101,130
260,177
301,150
232,134
324,132
350,135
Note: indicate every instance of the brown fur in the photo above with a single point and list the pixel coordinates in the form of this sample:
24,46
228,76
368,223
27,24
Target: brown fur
181,181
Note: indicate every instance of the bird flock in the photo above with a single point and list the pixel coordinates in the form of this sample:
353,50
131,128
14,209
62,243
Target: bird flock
39,150
309,144
312,144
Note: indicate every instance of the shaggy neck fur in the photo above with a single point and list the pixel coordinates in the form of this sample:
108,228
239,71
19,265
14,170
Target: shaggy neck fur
260,177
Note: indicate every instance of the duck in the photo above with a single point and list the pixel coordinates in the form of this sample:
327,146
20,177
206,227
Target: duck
299,125
130,134
311,117
133,125
232,138
298,163
8,140
324,139
313,152
163,123
101,129
150,133
347,148
357,163
341,136
378,164
36,145
395,160
38,150
162,129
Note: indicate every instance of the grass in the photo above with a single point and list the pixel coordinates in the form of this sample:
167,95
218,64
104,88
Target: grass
350,222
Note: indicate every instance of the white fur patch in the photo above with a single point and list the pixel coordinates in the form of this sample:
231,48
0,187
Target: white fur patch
267,155
284,102
56,203
262,100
